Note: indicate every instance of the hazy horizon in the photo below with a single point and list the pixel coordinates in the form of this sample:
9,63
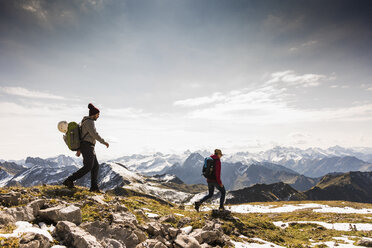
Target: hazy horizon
170,75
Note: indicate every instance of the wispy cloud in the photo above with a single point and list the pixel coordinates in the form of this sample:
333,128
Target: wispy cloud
303,45
271,103
192,102
23,92
289,77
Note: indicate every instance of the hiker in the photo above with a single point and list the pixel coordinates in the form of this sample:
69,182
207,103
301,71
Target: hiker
214,181
89,136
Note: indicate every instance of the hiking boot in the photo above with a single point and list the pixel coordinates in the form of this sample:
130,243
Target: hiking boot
222,208
69,184
197,205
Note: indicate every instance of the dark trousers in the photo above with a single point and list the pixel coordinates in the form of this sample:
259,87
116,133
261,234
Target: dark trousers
211,192
90,164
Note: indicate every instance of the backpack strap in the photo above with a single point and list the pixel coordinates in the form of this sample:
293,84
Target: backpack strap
81,130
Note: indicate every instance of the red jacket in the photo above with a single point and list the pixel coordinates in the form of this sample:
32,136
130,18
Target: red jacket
217,170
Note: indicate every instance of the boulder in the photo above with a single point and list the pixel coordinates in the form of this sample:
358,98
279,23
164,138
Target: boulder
127,234
34,240
168,218
74,236
151,243
173,232
124,218
184,241
153,229
11,215
183,222
62,213
10,199
112,243
36,206
365,242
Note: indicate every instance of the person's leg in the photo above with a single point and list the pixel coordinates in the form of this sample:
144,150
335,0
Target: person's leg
94,175
87,151
223,193
210,194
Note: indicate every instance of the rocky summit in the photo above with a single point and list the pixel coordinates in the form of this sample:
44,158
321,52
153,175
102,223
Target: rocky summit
54,216
57,217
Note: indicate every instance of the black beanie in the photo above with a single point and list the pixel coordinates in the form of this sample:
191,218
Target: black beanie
92,110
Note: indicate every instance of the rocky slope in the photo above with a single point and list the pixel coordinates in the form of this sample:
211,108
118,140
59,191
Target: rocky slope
84,220
264,193
57,217
351,186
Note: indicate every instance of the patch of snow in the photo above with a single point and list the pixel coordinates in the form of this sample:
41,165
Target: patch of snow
250,208
26,227
179,214
335,244
152,215
343,210
335,226
44,227
164,193
262,244
186,229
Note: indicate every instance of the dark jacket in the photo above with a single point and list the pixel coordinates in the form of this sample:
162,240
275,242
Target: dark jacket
217,170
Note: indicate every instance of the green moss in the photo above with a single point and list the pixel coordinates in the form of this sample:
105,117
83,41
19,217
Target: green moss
9,228
9,243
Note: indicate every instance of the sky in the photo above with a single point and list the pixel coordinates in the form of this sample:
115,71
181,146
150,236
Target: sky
172,75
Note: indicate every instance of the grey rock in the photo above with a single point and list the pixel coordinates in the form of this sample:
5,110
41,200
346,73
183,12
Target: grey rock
127,234
168,218
173,232
151,243
33,240
112,243
11,215
36,205
153,229
184,221
184,241
365,242
124,218
10,199
74,236
61,213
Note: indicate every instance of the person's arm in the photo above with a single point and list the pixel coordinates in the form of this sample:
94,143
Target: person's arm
89,125
218,172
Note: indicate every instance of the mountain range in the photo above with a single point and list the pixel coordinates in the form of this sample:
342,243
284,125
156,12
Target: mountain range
177,177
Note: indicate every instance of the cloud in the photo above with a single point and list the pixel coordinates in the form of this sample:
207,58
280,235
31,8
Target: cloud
303,45
192,102
290,78
271,103
23,92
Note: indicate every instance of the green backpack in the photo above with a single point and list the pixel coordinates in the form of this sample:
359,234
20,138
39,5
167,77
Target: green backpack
73,136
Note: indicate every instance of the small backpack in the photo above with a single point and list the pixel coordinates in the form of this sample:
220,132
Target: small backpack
209,168
73,136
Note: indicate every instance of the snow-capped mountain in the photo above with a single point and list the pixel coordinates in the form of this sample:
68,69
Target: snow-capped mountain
151,164
239,175
44,171
8,170
287,164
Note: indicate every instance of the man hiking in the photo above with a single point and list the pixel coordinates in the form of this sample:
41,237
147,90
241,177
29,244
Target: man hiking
214,181
89,136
